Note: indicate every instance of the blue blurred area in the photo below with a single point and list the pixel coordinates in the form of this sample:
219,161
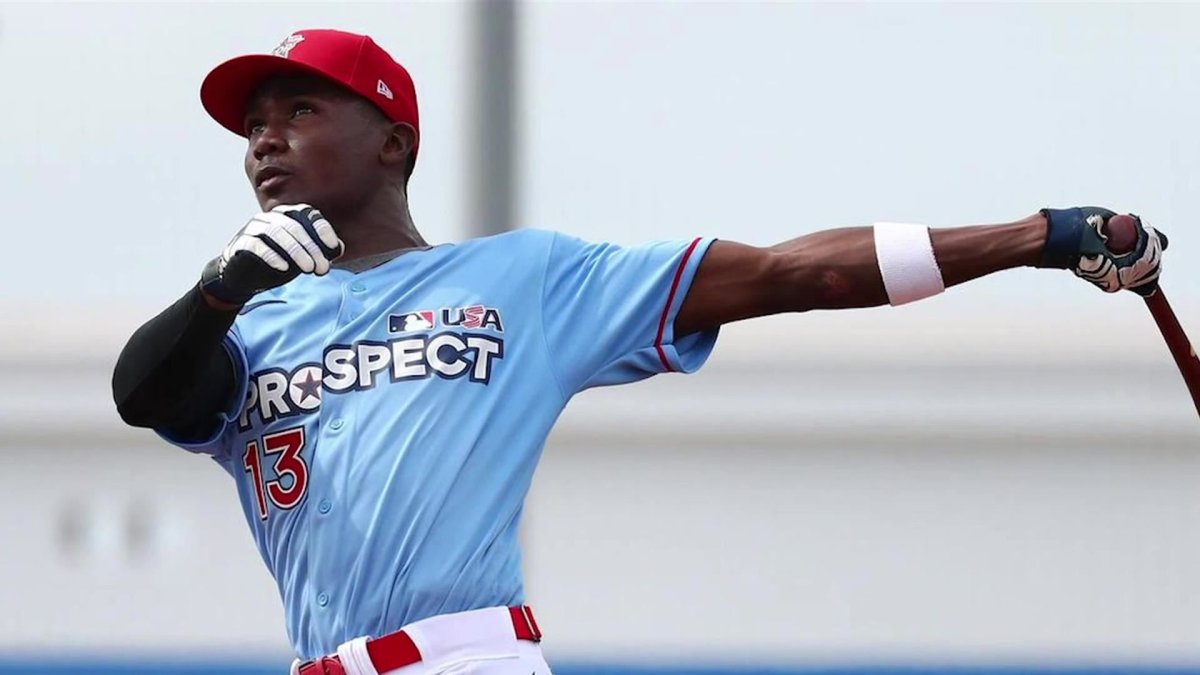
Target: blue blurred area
116,667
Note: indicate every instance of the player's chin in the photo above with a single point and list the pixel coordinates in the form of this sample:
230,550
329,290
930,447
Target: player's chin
269,199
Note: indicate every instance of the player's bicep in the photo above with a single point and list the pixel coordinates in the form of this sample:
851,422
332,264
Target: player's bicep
733,282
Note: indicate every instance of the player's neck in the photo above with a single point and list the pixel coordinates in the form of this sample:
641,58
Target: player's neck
378,228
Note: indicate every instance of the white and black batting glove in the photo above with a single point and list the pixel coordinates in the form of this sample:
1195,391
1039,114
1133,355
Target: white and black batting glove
273,248
1076,240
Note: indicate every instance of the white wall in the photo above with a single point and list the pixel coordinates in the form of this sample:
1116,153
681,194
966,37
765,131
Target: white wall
1007,472
980,511
823,502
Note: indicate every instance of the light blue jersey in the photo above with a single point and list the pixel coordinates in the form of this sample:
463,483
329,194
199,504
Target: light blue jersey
389,421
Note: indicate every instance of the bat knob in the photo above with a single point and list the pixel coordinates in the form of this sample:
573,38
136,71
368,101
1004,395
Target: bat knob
1121,233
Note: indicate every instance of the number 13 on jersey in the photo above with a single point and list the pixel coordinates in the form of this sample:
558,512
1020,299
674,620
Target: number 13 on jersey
287,489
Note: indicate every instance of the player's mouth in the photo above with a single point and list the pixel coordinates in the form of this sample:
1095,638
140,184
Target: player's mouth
269,178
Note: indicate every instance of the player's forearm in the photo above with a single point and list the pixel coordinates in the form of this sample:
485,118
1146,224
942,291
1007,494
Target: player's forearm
967,253
838,269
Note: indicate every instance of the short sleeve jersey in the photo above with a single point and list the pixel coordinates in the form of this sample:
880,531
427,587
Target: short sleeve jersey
388,422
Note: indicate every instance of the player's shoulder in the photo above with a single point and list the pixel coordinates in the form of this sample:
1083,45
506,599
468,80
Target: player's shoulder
524,248
525,239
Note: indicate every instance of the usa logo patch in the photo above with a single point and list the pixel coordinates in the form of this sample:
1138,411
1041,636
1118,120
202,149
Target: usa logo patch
473,316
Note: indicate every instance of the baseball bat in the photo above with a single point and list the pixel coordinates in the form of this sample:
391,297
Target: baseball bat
1121,231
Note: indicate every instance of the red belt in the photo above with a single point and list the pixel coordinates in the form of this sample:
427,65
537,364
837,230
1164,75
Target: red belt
397,650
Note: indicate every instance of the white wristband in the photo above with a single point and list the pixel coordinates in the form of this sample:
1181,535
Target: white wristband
906,262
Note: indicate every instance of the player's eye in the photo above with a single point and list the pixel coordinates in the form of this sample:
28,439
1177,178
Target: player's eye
301,109
254,127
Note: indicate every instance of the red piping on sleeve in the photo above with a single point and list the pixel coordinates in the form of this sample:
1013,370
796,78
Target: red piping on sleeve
662,322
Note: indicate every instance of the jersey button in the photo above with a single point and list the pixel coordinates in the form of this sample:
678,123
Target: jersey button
324,506
358,287
336,424
322,599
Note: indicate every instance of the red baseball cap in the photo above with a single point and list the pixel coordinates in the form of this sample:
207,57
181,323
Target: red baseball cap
351,60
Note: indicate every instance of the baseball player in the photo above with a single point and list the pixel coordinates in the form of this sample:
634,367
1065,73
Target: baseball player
381,402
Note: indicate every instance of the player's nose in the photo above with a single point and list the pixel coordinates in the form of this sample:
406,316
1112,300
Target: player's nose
270,141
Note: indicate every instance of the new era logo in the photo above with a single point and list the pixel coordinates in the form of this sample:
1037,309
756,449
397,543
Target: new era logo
383,89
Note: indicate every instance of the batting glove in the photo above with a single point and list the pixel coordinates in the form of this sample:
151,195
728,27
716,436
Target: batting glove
275,247
1075,240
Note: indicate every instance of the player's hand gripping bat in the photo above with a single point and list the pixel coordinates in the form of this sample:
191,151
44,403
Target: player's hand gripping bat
1121,231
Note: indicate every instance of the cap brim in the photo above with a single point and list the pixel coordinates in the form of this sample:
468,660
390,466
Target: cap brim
226,91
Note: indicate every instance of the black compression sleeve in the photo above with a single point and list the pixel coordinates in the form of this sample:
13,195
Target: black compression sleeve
174,374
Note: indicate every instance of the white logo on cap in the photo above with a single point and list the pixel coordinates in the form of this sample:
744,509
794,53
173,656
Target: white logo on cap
287,45
383,89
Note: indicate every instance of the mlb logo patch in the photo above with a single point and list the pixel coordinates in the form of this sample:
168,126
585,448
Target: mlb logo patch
410,322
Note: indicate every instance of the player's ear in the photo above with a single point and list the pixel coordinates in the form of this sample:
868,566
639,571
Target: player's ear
399,144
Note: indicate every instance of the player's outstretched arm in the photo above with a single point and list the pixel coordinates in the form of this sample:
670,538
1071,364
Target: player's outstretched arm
173,374
841,268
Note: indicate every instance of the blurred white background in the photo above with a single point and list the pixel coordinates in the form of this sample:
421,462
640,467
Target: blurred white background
1007,474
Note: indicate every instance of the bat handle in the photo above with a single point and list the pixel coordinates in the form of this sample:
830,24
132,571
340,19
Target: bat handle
1177,341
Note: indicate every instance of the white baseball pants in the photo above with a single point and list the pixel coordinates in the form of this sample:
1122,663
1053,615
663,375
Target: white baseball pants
479,642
